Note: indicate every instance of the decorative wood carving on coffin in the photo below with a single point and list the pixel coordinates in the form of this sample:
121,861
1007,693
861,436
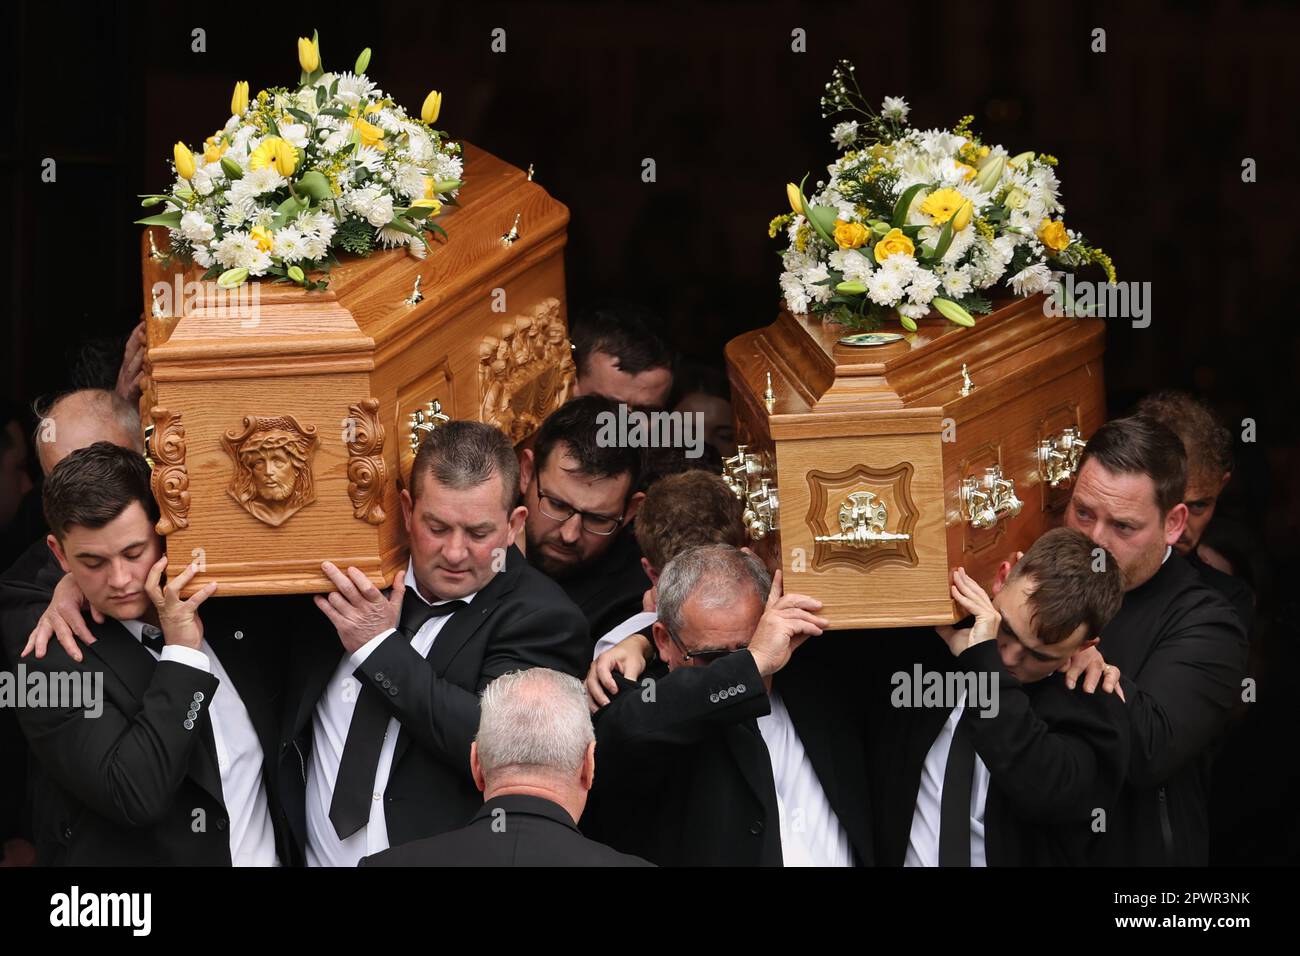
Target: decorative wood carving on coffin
272,456
366,470
170,481
526,371
827,492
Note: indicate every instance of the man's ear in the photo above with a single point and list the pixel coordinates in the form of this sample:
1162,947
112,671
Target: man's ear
516,520
527,463
1000,578
633,506
474,768
53,544
650,571
1175,522
661,639
1090,642
588,773
408,509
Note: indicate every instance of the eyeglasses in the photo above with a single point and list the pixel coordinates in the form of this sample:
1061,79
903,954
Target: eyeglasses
558,510
704,657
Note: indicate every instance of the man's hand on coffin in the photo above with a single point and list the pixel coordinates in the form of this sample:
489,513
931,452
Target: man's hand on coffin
1094,669
973,599
62,620
131,375
787,622
358,610
178,617
628,657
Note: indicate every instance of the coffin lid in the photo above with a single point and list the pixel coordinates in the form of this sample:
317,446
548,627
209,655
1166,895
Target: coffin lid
823,388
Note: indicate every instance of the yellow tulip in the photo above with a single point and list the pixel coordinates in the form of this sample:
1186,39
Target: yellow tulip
432,107
962,219
239,99
796,201
214,148
286,158
308,55
433,204
184,161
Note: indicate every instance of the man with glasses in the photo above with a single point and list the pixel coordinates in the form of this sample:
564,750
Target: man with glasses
581,494
729,751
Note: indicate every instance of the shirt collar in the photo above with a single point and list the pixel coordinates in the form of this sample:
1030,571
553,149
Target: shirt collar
1168,551
136,627
413,586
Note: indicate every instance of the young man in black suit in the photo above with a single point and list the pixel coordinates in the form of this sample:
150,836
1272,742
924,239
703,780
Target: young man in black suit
731,751
1019,769
379,729
165,765
1180,645
534,759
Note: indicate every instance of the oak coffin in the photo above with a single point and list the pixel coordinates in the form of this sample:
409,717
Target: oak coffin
869,472
280,423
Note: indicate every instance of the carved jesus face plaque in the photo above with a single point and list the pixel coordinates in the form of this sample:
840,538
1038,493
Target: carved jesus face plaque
272,480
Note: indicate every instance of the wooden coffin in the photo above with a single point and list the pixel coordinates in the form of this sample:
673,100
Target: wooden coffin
280,421
867,473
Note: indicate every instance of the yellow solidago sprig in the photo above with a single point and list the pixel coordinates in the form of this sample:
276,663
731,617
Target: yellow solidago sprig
298,175
919,224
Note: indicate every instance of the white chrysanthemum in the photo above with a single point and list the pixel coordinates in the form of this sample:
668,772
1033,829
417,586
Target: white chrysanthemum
810,278
884,287
419,145
202,180
443,166
203,256
263,180
388,238
368,157
261,262
409,180
388,120
844,133
852,263
353,88
960,245
337,140
924,286
796,300
237,250
416,247
913,310
195,228
956,282
232,124
289,244
236,212
895,107
1031,279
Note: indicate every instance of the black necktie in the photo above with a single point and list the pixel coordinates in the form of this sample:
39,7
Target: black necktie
954,805
152,638
353,789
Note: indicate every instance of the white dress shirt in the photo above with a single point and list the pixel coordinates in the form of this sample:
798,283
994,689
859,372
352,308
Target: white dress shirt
635,624
239,755
330,723
811,833
923,842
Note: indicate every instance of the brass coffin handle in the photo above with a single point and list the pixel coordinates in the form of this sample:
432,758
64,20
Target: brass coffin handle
1058,457
987,500
862,523
423,421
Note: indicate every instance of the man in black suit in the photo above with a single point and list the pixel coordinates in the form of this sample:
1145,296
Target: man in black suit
983,755
379,729
160,761
1180,646
581,493
534,759
723,754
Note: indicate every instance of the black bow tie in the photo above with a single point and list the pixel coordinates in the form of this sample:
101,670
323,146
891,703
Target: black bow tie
415,612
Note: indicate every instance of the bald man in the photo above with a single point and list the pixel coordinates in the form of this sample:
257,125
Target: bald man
75,420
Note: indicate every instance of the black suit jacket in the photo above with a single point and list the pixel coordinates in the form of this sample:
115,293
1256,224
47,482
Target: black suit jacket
1055,756
611,590
122,788
1181,650
509,831
684,777
520,619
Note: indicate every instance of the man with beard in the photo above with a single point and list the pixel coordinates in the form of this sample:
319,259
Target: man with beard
581,498
1180,647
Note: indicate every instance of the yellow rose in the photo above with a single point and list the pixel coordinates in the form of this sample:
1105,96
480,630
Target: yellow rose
850,235
262,236
1053,235
894,243
941,204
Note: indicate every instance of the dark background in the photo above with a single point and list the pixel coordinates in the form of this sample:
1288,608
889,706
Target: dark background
1150,134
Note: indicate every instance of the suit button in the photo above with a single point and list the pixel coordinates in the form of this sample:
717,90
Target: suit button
379,675
189,723
756,827
713,698
67,833
198,697
387,684
191,714
392,692
740,688
221,824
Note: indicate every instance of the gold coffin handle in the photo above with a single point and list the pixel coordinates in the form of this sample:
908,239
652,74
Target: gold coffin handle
987,500
862,523
1058,457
